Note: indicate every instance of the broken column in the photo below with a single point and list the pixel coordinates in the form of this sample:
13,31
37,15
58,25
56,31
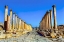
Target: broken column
55,22
5,19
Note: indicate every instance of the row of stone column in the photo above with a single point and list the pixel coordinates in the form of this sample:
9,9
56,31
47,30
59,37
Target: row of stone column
13,22
46,22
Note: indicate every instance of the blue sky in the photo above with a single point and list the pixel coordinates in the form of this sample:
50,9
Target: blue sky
32,11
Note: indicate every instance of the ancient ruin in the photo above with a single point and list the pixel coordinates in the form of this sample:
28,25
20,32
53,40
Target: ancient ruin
14,25
46,24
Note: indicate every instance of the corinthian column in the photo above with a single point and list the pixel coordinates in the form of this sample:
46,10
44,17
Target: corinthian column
11,19
19,24
13,24
51,18
16,22
6,12
47,20
55,22
8,23
5,19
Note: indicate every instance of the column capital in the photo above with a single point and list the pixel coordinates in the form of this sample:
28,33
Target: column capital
24,22
53,6
13,12
50,10
10,9
47,11
6,6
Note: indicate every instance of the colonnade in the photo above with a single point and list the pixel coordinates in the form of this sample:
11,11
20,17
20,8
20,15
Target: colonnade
13,23
46,22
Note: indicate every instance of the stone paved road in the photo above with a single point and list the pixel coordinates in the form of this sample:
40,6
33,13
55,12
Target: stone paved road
30,37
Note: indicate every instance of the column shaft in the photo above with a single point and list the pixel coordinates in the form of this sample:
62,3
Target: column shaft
8,23
5,19
55,22
11,19
49,19
6,12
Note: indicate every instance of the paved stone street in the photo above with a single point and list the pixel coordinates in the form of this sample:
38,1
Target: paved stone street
29,37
